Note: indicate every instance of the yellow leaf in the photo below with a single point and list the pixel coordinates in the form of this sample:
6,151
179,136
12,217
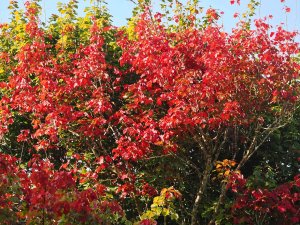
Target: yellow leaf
219,166
227,173
159,200
165,212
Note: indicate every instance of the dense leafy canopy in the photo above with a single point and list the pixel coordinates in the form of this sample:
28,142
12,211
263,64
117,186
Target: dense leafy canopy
152,123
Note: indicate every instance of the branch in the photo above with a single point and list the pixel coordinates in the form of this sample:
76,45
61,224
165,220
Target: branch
134,2
157,157
201,145
264,135
189,163
217,147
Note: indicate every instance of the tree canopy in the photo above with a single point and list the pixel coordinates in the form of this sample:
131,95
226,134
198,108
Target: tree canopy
168,120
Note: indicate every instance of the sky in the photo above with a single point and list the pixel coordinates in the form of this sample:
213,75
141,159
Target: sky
121,10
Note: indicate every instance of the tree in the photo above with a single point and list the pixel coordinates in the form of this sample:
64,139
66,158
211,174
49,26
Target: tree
93,109
205,82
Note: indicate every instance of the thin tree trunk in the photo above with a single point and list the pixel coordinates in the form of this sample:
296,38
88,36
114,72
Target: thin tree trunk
200,193
219,204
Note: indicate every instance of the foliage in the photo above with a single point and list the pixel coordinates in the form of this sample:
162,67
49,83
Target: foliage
95,119
162,205
265,206
41,195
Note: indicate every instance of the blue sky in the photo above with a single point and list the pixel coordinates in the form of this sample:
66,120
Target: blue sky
121,9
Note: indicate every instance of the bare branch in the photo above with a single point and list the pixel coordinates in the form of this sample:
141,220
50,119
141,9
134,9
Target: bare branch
189,163
134,2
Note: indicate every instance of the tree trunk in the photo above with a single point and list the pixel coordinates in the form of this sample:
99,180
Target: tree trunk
200,193
219,204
